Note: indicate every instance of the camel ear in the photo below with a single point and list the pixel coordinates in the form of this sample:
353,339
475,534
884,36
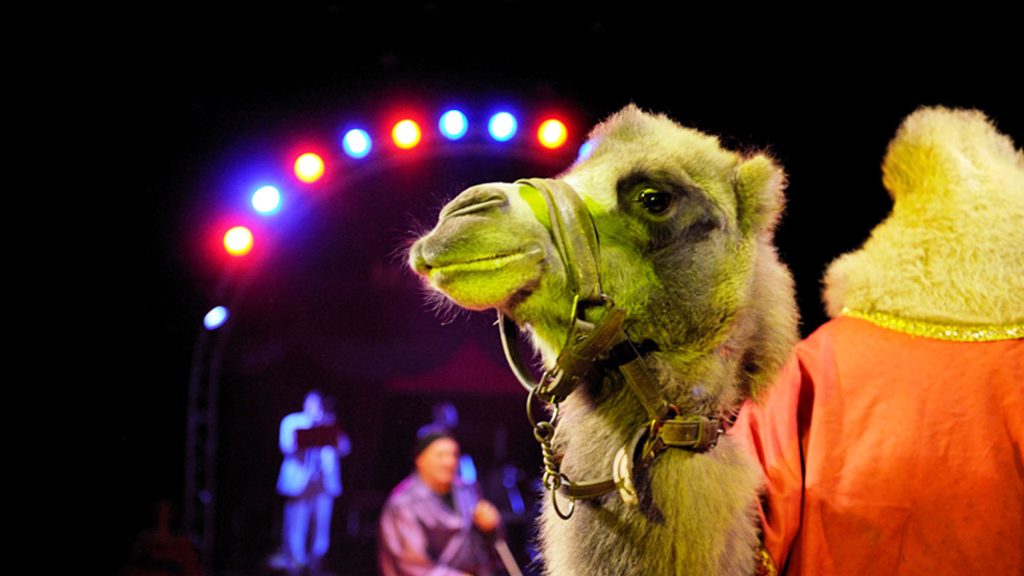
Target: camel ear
759,183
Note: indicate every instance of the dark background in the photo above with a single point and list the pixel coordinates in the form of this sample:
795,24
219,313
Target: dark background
202,95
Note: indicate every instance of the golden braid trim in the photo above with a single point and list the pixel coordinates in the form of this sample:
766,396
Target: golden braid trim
939,331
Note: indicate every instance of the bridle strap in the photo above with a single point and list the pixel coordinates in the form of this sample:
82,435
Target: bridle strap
643,384
508,331
588,490
575,237
574,234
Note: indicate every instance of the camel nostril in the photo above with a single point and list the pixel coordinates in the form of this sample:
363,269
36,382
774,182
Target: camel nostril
476,199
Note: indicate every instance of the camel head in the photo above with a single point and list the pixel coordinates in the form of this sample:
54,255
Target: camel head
684,229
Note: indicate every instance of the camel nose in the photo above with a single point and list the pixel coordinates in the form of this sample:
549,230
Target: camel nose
482,198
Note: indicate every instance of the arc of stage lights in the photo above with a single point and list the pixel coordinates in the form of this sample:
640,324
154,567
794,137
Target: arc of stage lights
357,144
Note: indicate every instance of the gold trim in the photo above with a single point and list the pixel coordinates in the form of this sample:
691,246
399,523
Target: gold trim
765,565
950,332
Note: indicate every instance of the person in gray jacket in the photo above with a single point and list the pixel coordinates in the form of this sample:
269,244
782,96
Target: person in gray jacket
433,524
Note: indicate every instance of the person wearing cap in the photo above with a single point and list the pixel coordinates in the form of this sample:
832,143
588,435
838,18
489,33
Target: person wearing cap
433,524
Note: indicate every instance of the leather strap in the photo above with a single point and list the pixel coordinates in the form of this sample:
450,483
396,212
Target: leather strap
691,432
574,234
644,385
508,331
575,237
583,350
587,490
694,432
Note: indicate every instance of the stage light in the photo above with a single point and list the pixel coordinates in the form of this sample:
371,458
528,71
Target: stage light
502,126
266,200
467,469
238,241
406,134
215,318
552,134
453,124
309,167
586,150
357,143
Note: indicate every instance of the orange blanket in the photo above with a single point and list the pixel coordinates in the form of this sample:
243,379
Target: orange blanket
887,453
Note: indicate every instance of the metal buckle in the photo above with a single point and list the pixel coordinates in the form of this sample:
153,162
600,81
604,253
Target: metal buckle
654,444
622,469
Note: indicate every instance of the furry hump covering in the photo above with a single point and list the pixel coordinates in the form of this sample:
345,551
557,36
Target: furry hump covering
953,248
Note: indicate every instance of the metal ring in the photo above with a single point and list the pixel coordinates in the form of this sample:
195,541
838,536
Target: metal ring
554,504
552,479
529,408
543,432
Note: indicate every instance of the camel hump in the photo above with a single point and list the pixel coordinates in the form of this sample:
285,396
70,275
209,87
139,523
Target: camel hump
950,153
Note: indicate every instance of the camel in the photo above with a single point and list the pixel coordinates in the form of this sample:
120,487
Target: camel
892,440
663,240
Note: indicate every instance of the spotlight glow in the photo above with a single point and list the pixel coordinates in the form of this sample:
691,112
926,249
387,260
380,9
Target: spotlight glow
453,124
215,318
406,134
266,200
552,134
502,126
309,167
238,241
357,143
586,150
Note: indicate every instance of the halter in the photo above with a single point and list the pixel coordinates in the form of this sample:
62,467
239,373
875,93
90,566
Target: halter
590,349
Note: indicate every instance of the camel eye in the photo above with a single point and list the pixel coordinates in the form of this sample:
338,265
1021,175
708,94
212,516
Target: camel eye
655,201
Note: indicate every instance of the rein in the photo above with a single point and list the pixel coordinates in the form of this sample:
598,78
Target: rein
590,350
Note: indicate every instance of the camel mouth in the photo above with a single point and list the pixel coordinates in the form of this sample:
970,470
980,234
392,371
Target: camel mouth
481,282
484,264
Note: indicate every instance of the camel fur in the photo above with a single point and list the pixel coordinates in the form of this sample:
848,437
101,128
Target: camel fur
952,250
685,229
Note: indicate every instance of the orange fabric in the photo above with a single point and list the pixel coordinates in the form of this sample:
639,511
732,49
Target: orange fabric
886,453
